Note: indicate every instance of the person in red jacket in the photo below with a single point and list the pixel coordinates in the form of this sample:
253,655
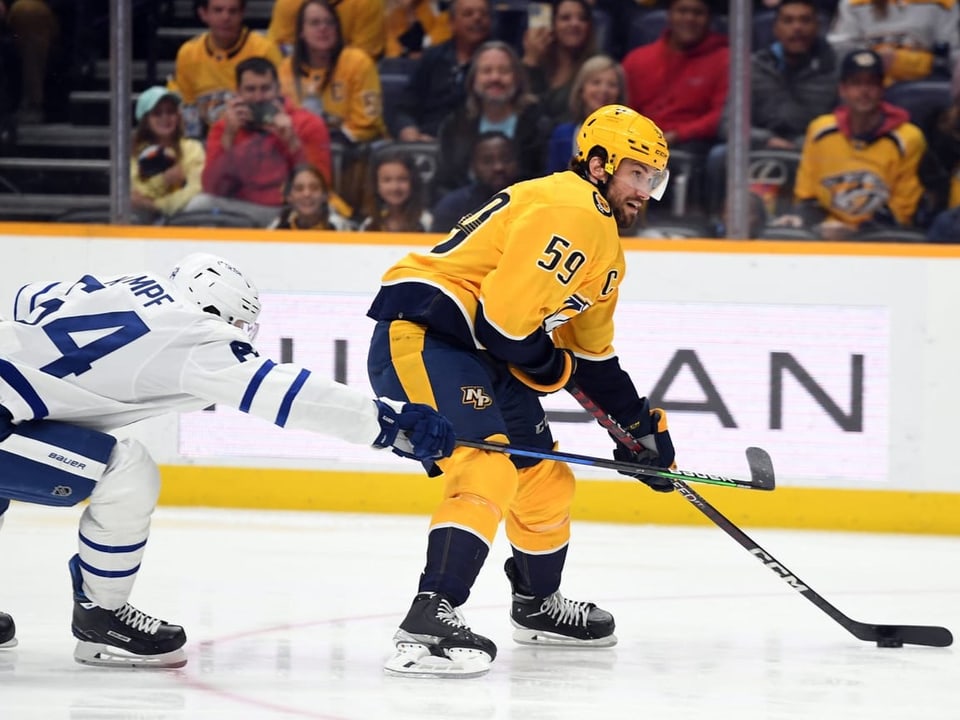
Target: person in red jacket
680,82
253,147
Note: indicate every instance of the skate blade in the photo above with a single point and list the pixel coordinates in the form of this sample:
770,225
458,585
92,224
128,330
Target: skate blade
541,638
100,655
416,661
11,643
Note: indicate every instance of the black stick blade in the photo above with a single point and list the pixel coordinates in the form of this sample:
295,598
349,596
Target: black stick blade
899,635
761,468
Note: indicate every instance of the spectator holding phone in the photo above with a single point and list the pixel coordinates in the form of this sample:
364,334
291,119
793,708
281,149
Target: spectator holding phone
254,146
165,166
555,46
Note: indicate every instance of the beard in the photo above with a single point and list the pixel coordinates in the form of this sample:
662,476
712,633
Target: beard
620,215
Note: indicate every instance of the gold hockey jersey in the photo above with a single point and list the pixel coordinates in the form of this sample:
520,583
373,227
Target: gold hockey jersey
543,256
353,99
852,179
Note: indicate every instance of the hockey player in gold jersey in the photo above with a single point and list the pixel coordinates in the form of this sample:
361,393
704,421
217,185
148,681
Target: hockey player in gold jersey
517,300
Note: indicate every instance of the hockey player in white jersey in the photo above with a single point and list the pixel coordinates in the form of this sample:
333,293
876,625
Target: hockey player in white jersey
88,356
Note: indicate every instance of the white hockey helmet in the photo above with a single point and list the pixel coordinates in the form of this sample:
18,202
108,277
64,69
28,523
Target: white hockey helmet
216,286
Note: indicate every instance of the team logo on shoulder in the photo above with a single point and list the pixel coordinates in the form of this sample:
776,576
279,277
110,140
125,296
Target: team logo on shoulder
601,204
476,396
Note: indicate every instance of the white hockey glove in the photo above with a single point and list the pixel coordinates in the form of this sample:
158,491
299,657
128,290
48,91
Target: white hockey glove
414,430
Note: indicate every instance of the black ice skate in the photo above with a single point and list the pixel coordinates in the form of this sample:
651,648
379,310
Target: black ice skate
555,620
8,631
124,637
434,641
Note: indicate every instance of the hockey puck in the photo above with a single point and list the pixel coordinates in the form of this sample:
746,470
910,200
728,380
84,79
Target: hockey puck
890,642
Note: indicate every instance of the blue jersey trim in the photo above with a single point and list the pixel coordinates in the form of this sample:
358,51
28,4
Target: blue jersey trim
111,548
18,382
108,573
254,385
289,397
33,299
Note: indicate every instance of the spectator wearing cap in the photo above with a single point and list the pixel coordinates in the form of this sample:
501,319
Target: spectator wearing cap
165,166
859,166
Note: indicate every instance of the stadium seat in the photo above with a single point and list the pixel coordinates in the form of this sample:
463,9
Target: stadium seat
669,228
92,215
213,218
763,28
771,174
787,233
394,75
923,99
898,235
645,27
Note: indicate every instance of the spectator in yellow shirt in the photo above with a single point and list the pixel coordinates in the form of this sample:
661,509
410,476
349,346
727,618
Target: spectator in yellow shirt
362,22
165,167
341,84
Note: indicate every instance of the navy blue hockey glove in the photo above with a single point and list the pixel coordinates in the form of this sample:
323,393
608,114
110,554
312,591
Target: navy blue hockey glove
651,431
549,377
414,430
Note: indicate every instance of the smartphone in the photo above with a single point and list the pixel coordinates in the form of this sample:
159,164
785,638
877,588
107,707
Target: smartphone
539,15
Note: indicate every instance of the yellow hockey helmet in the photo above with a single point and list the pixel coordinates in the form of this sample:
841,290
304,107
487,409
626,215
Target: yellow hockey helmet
625,133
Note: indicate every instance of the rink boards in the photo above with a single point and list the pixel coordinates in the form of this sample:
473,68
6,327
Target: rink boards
837,358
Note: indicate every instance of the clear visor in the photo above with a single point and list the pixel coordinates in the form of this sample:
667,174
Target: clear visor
658,180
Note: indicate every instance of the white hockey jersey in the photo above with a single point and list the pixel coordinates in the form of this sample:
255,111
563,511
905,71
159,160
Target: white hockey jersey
107,352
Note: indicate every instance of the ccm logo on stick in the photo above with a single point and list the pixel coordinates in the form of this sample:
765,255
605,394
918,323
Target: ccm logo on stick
779,570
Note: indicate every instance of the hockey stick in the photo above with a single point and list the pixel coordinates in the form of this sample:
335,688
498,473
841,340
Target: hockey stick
761,469
882,635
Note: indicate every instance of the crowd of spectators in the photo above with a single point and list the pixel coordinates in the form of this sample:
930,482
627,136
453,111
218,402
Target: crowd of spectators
292,127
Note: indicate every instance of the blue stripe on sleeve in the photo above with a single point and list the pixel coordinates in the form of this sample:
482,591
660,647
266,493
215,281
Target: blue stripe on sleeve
289,397
18,382
111,548
254,385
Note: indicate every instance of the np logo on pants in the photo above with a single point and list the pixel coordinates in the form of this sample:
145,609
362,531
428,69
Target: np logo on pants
477,397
